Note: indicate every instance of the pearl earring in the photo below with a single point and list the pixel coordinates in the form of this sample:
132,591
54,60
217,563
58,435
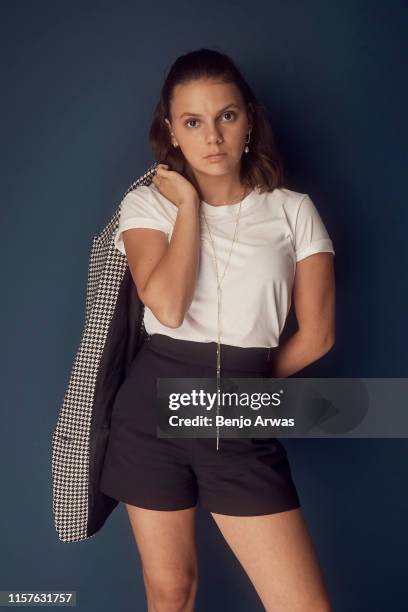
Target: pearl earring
247,142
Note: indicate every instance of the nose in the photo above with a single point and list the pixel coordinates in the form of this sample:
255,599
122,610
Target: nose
213,135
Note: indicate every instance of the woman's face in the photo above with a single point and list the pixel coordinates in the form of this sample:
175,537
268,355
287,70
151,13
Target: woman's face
209,117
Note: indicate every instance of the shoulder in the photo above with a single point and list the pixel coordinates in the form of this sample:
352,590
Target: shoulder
286,202
287,198
282,195
305,225
141,193
146,198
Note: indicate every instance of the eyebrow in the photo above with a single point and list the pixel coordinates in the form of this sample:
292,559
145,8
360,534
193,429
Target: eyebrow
197,115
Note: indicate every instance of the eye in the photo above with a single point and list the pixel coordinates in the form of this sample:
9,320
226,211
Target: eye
230,113
189,121
225,113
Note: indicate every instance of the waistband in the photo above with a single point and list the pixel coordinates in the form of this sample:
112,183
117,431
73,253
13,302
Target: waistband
252,359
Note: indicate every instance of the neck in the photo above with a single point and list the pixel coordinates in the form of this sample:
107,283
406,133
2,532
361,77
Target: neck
221,190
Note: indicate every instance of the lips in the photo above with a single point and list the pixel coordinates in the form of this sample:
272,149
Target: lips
215,155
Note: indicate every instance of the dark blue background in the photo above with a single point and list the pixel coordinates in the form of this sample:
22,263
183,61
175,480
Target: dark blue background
80,80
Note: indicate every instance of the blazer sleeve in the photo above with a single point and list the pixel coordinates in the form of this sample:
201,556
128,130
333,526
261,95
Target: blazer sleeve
139,209
311,235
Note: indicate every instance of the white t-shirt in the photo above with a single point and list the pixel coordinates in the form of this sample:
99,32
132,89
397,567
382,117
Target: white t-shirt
276,229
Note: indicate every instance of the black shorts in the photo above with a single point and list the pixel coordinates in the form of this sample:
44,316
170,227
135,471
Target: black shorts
244,477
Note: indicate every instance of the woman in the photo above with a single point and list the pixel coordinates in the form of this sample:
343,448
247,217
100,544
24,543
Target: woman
215,246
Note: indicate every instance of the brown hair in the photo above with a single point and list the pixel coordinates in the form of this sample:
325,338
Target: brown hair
262,166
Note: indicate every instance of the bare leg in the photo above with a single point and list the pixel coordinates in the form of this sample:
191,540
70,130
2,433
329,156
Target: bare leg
278,555
167,547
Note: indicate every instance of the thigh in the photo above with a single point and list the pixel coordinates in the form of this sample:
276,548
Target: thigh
244,476
140,468
167,545
278,554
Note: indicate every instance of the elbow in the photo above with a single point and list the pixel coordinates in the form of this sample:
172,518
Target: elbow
327,343
319,344
169,317
170,322
169,313
172,315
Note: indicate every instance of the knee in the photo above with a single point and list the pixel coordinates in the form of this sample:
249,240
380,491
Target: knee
173,594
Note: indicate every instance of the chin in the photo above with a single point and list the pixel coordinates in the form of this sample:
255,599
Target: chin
216,169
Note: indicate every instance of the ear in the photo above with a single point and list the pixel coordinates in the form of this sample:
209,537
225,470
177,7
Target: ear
250,116
169,127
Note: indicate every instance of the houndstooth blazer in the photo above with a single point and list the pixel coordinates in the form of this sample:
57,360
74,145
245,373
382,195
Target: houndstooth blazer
112,335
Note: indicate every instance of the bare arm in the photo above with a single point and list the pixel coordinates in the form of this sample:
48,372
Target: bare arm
314,301
165,273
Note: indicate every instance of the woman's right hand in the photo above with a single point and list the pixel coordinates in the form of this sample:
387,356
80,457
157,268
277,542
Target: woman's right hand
173,186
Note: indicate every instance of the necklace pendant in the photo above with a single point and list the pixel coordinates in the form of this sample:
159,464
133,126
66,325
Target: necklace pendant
219,281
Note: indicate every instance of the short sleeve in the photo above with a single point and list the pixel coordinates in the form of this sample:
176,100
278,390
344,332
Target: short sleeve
139,209
311,235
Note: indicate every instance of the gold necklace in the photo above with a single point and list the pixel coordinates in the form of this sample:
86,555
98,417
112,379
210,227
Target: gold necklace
219,302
